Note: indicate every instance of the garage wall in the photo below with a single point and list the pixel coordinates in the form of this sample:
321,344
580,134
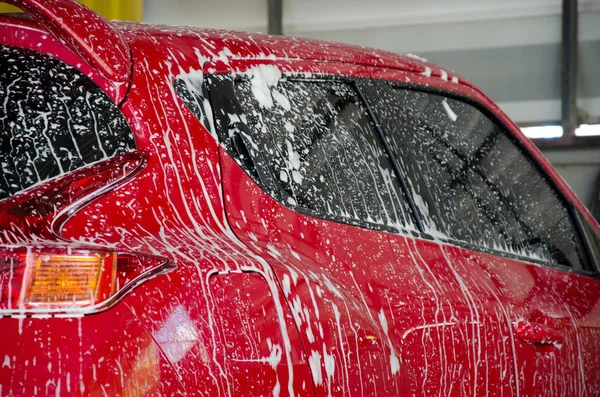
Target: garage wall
580,168
509,48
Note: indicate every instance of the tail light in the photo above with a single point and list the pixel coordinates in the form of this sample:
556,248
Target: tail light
74,280
42,273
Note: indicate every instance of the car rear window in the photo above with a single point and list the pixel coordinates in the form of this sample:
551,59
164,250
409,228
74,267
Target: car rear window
53,120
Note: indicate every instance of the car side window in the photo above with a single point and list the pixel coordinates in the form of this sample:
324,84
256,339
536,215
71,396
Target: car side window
471,181
189,88
313,144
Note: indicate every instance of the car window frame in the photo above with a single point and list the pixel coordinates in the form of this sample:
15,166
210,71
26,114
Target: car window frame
589,266
592,239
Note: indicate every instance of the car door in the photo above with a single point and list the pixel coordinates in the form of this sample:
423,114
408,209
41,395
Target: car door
309,185
506,231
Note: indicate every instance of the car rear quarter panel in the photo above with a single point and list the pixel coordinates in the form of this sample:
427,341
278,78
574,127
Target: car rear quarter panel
174,208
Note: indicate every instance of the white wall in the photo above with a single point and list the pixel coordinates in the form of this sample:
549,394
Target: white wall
249,15
331,15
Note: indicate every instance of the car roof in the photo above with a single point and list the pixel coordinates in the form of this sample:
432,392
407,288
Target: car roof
206,44
217,44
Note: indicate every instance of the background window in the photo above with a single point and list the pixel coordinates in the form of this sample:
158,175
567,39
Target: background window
470,180
316,144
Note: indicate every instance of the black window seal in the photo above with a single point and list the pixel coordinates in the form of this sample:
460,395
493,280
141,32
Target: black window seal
520,258
594,261
588,262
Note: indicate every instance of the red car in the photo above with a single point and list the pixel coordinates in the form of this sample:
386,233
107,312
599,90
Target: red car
200,212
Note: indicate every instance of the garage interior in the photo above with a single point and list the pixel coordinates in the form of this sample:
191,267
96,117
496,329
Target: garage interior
537,59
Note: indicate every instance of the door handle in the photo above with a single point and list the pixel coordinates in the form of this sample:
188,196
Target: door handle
538,334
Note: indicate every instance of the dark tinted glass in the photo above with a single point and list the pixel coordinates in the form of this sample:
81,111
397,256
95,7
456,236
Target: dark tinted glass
592,237
471,182
189,89
313,143
53,119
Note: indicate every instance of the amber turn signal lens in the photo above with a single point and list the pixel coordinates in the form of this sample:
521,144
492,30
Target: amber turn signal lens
63,280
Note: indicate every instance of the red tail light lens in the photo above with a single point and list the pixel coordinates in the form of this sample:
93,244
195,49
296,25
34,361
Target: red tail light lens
67,281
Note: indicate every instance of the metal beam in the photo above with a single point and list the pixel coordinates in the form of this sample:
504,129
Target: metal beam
574,142
275,16
569,68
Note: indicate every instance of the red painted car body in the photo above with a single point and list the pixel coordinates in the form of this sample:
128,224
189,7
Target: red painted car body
256,297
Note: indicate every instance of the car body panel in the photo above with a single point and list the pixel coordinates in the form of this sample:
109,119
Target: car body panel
393,290
172,208
94,355
176,207
358,312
